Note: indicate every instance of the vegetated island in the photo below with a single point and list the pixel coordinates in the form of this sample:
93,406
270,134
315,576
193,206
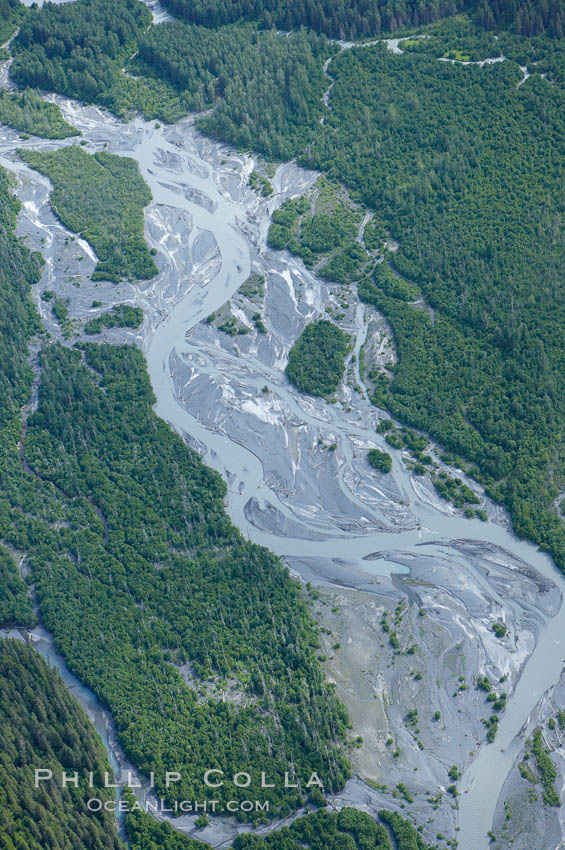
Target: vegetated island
101,197
120,316
317,359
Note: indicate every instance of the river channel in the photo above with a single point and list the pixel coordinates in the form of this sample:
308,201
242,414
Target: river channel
324,512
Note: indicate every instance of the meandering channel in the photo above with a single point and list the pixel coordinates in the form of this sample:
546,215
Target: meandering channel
490,768
341,518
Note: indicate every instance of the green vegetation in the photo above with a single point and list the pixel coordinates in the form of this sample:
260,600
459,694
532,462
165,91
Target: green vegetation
260,184
322,831
482,378
322,225
405,835
526,773
405,133
336,18
374,235
321,233
404,792
455,491
100,197
524,16
346,265
232,326
456,38
60,310
275,79
393,285
340,19
498,702
141,577
451,489
317,359
380,460
499,629
28,112
316,798
547,770
15,604
41,725
65,739
157,582
464,170
18,322
11,14
120,316
285,223
79,50
492,727
402,438
144,832
253,287
348,829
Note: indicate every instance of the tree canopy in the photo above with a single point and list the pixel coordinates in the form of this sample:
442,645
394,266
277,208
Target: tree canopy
317,359
42,726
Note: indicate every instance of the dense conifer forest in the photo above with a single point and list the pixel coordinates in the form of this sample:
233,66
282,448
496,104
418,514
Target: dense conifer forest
15,604
335,18
18,321
160,606
42,726
363,18
525,17
57,46
11,13
275,80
